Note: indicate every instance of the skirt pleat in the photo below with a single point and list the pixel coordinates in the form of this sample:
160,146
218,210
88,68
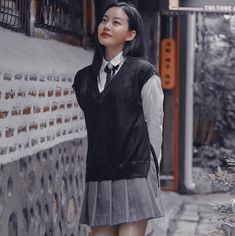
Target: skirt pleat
122,201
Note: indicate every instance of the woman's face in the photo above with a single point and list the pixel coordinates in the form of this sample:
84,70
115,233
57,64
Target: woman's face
113,30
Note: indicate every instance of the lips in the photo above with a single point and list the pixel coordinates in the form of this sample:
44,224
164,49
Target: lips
104,35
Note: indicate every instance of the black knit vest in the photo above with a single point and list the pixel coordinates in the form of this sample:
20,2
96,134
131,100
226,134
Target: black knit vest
118,141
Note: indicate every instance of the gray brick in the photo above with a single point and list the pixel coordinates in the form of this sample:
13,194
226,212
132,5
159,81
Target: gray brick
207,228
185,227
189,217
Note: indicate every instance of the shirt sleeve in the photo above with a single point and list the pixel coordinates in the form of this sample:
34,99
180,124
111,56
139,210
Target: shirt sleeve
152,101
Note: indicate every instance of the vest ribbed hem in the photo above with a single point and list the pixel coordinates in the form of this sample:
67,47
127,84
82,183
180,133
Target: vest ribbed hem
127,171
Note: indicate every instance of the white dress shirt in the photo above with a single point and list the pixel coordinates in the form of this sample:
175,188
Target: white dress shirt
118,60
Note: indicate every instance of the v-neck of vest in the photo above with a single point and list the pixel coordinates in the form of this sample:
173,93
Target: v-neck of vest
115,78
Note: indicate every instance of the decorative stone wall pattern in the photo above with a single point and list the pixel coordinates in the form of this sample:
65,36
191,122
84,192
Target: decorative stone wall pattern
36,112
41,194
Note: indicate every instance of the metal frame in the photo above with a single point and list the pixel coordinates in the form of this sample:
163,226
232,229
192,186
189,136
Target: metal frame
61,16
14,14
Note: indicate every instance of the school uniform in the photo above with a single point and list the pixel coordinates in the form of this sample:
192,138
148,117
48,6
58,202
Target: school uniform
127,196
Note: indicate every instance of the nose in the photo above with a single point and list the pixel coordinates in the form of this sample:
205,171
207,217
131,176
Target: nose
107,25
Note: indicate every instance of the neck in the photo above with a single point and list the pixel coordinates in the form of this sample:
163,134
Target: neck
111,53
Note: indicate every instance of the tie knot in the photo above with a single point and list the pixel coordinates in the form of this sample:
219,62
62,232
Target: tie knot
110,68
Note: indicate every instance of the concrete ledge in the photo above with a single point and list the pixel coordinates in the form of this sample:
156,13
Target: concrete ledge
22,54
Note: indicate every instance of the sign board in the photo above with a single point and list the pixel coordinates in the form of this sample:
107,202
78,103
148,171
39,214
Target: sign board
214,6
168,63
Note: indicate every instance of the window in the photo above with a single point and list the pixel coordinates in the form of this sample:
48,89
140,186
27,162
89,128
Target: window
13,14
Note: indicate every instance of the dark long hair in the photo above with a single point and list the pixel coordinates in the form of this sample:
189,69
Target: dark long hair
134,48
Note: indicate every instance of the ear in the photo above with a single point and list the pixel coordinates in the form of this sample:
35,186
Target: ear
131,35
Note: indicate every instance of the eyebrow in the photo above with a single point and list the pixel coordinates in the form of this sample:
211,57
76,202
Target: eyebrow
116,18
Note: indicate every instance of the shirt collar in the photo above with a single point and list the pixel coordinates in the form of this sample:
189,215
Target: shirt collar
115,61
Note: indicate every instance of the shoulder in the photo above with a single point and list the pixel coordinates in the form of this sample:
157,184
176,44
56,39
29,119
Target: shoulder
143,69
80,76
140,61
142,64
84,71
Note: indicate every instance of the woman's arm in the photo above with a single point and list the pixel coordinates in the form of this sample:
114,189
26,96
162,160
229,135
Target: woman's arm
152,101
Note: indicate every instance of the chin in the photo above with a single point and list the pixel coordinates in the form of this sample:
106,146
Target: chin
105,43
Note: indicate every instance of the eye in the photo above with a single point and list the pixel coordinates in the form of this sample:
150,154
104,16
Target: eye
104,19
116,22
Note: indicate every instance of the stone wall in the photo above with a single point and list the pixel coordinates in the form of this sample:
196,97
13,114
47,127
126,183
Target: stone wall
42,194
42,137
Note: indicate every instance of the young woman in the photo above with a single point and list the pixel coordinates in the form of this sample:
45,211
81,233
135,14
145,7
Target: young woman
121,97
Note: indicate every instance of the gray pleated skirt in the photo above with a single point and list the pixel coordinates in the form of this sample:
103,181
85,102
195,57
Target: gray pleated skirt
108,203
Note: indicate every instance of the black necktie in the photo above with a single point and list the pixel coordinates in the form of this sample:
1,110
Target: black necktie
110,70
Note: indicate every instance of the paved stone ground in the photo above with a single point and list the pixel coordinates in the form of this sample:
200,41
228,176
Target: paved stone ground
188,215
196,216
160,226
